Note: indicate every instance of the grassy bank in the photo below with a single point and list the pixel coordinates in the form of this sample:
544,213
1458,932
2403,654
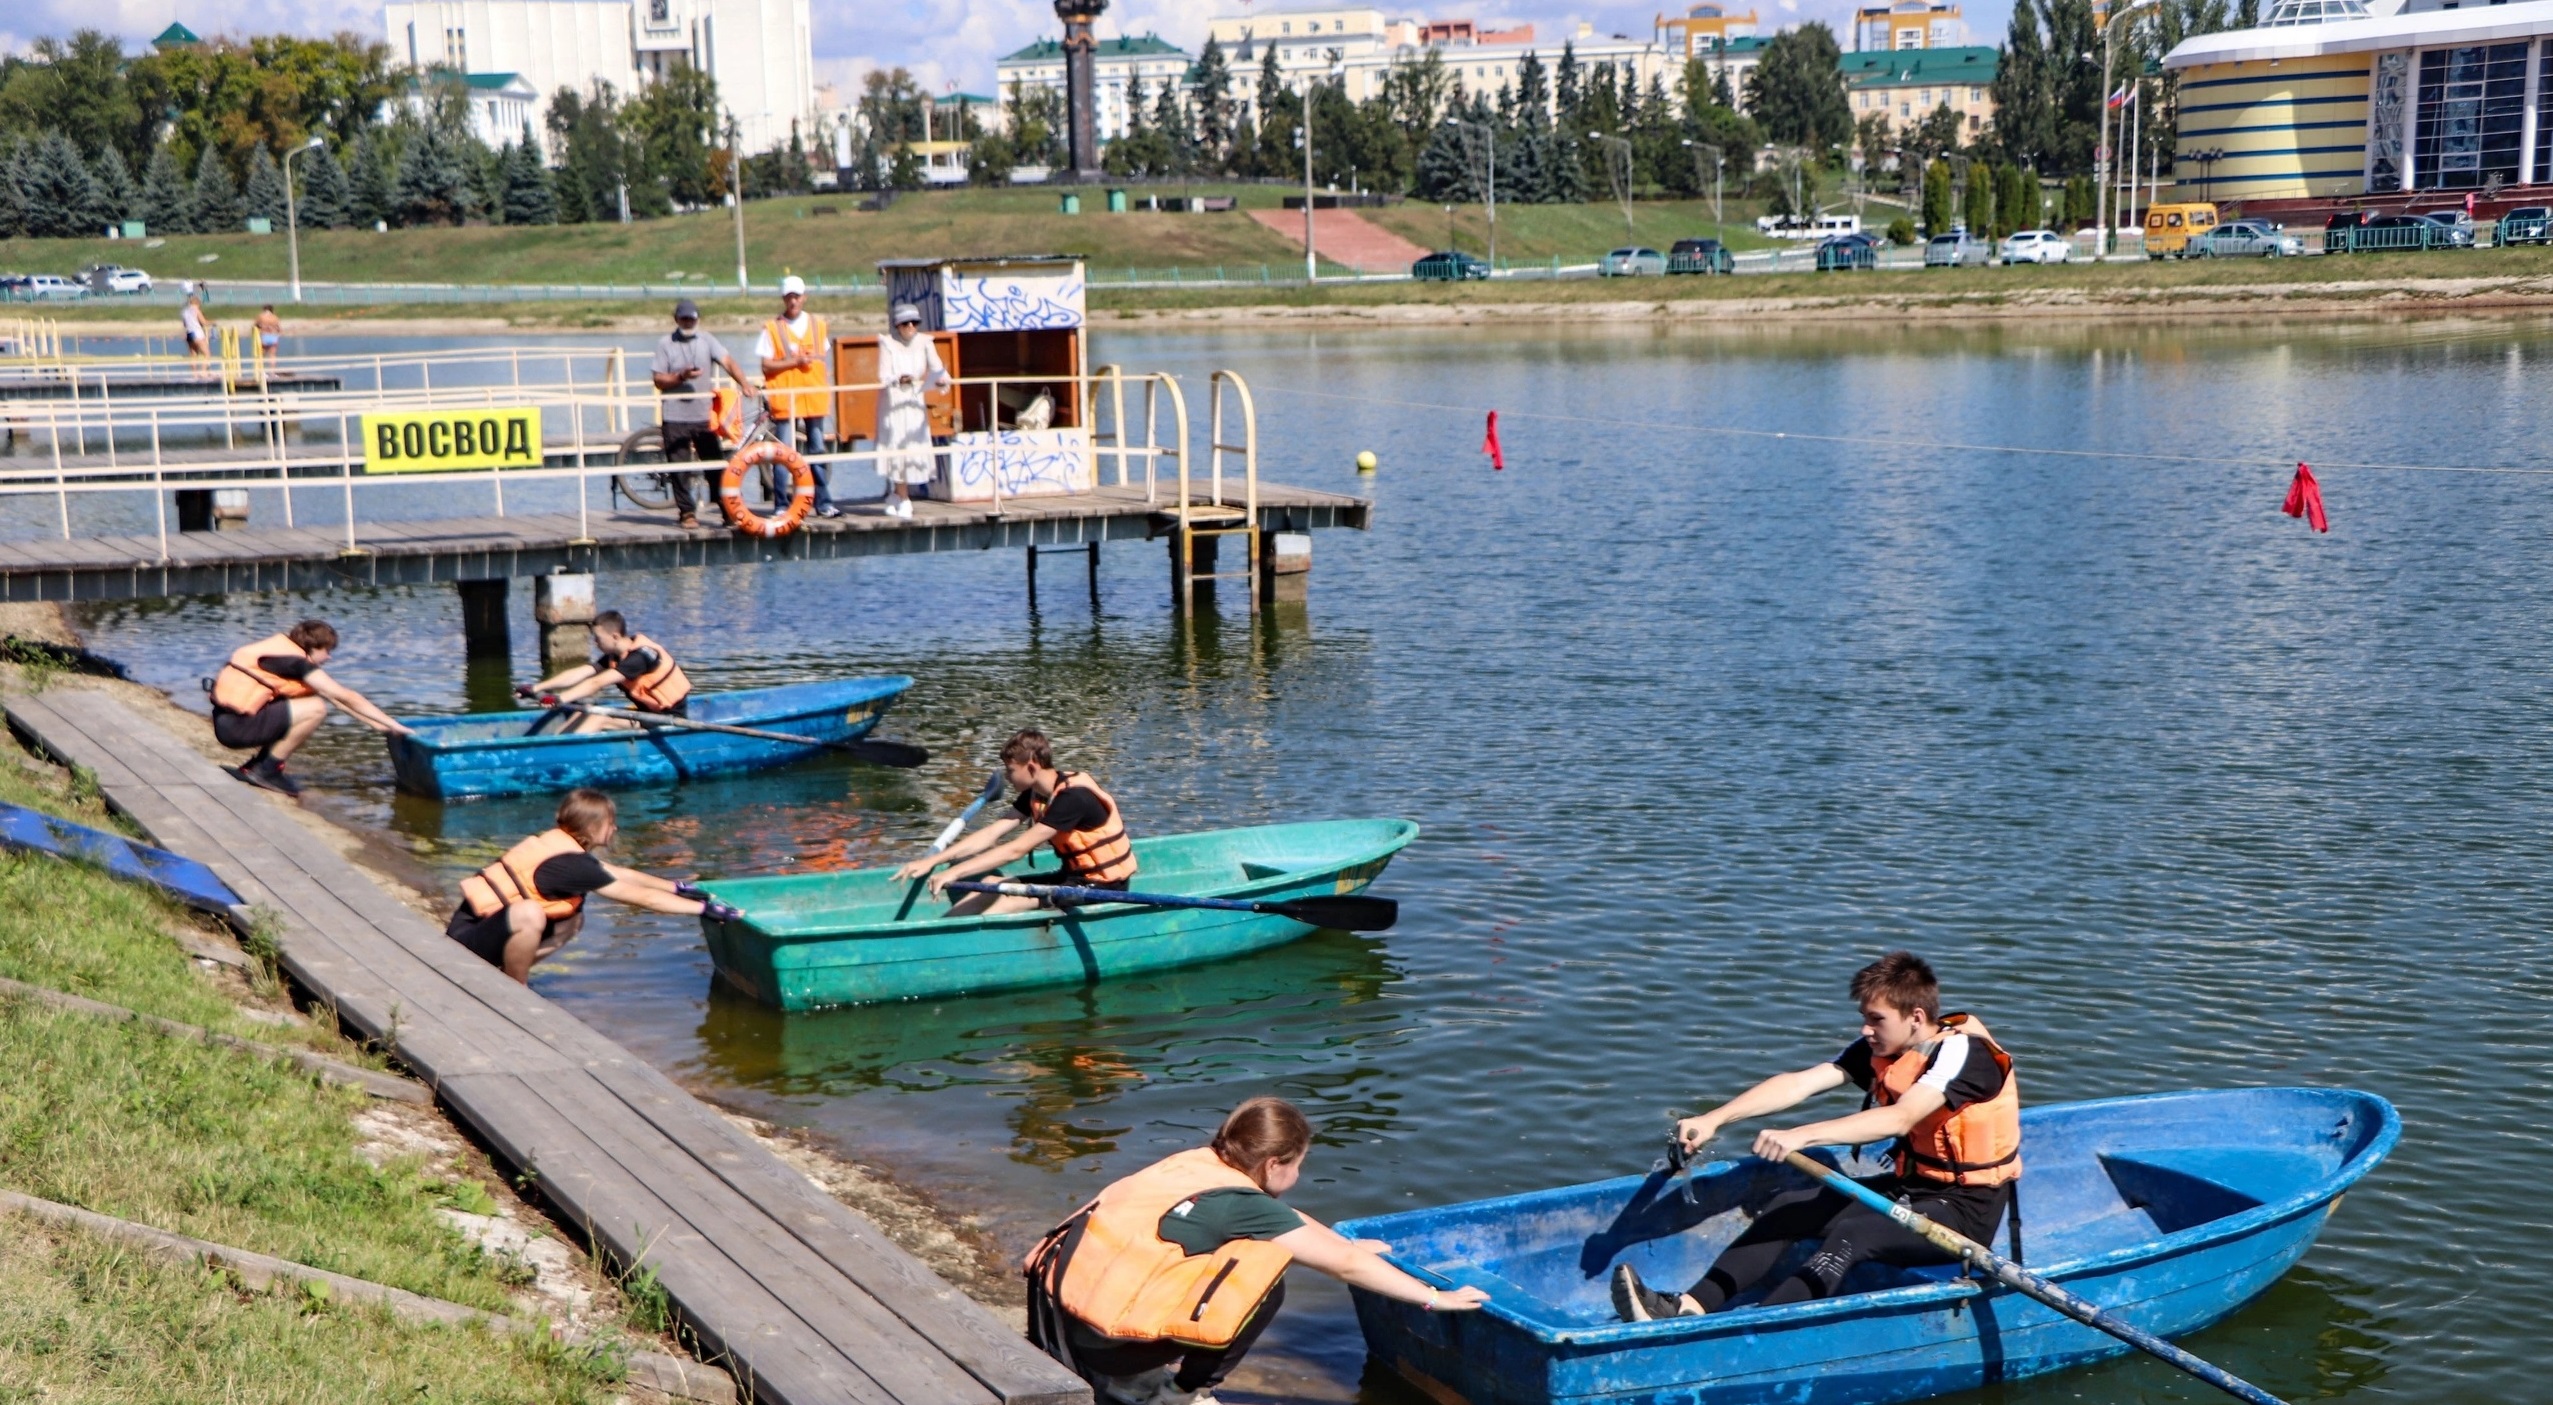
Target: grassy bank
220,1145
791,235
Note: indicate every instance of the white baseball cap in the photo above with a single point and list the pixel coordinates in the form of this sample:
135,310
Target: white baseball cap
793,284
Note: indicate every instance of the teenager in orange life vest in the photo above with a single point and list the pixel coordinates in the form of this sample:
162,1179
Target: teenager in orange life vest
1155,1290
272,694
531,901
1064,810
1938,1088
637,665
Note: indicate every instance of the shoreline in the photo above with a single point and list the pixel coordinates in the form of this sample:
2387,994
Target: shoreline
1680,304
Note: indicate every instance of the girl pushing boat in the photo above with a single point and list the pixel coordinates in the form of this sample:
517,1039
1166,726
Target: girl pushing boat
1155,1290
530,902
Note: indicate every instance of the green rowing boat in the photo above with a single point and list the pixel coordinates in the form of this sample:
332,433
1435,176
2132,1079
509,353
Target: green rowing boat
807,941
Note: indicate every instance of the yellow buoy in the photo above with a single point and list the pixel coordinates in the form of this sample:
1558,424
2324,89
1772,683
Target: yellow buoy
1365,461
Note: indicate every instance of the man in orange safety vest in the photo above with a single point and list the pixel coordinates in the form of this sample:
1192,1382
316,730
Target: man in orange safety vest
796,350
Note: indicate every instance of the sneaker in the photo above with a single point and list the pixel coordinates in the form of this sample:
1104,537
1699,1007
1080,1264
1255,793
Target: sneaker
1141,1389
828,510
1635,1301
903,508
267,774
688,521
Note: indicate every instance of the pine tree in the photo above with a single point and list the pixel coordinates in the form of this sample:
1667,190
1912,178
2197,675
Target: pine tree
213,205
529,198
16,158
435,183
326,196
1981,200
264,192
164,198
60,194
1210,93
1278,118
373,201
119,199
1449,166
1936,203
1532,171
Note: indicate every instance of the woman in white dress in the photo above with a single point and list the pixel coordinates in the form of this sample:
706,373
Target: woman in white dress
908,367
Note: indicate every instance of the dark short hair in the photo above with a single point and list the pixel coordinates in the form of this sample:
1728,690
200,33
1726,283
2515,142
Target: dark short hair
1028,746
584,812
313,634
1902,981
1262,1130
611,620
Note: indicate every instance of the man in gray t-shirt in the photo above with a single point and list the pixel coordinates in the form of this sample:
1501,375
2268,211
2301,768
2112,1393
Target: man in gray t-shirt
681,371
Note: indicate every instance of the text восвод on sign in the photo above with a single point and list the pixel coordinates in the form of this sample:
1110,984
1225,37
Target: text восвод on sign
431,441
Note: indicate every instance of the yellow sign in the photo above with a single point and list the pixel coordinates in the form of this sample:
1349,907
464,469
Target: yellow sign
441,441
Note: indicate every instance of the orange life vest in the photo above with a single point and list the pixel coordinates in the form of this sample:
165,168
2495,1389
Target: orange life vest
243,687
1125,1281
659,689
803,404
510,880
1980,1144
727,412
1102,855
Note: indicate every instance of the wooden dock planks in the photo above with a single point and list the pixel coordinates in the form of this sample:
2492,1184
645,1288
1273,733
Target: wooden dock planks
805,1299
411,551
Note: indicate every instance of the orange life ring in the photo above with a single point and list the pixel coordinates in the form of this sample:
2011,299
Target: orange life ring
802,493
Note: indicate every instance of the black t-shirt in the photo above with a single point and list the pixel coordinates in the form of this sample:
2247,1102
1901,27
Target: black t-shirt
292,666
1958,1067
567,876
632,666
1074,809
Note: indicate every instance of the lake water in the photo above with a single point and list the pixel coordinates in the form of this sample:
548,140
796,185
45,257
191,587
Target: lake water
2173,792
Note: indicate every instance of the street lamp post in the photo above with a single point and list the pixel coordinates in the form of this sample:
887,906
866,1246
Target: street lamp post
1311,272
736,192
1489,139
292,213
2101,155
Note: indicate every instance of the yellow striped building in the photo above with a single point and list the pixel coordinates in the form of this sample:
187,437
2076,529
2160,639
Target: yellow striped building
2334,99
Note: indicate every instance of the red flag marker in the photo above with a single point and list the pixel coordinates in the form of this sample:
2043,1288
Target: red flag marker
1489,446
2305,499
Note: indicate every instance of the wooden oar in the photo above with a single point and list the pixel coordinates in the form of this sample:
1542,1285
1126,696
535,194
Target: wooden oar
1346,912
1984,1261
899,754
992,791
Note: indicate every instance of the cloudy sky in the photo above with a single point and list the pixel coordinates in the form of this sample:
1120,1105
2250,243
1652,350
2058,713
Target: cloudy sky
944,42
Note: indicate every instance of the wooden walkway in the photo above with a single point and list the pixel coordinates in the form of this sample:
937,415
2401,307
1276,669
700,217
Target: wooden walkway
444,549
802,1298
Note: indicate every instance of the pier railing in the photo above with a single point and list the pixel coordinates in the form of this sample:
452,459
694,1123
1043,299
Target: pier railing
281,426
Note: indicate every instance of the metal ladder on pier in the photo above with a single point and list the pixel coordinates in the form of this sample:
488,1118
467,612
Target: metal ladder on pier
1215,518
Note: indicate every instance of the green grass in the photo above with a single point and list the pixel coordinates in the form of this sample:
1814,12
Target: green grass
211,1142
86,1321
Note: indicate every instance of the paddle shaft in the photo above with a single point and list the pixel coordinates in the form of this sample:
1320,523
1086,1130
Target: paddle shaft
658,719
967,816
1349,911
1980,1259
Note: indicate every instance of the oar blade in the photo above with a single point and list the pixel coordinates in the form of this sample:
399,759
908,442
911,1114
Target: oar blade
1344,912
901,755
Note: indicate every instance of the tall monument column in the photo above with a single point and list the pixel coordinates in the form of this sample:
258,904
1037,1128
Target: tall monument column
1080,60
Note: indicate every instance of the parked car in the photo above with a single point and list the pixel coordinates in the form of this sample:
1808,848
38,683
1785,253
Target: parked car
2038,246
1632,262
2404,232
1957,249
115,278
2246,239
13,286
1848,251
1699,256
2527,224
2341,228
44,287
2455,219
1449,266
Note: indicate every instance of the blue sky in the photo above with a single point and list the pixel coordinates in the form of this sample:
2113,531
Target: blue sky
943,41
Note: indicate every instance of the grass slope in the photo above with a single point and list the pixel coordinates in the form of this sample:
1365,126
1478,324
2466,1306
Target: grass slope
210,1142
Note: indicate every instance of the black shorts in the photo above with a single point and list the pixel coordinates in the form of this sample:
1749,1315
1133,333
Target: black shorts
243,731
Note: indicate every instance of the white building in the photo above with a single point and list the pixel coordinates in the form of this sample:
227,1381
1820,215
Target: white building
1144,56
501,104
757,51
1363,45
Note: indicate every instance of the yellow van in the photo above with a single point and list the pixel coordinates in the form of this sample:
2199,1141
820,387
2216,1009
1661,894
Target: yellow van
2170,228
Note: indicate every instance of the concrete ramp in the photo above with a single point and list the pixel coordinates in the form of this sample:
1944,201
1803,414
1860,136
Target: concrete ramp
1346,237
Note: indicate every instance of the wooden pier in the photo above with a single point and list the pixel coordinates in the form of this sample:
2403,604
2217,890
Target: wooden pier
500,548
803,1299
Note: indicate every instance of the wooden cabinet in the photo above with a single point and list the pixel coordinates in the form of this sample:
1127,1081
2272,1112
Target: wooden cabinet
855,411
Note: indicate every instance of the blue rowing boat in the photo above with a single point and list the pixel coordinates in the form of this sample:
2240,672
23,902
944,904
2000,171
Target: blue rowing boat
487,753
2170,1211
33,831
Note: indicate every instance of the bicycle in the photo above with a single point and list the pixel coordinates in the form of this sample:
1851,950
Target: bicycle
655,491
